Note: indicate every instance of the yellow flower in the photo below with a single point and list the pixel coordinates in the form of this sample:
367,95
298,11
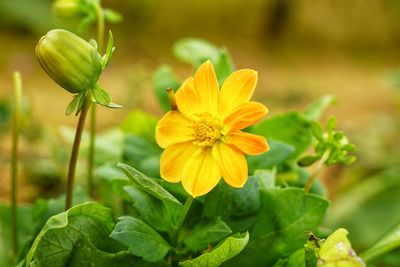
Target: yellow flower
203,140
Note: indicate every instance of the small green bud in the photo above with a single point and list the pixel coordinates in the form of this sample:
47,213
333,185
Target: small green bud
66,8
69,60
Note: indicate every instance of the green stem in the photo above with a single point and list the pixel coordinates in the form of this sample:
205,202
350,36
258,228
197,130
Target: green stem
92,137
75,151
14,159
100,27
316,172
186,208
181,220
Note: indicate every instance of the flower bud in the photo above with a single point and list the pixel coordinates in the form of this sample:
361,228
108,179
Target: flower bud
69,60
66,8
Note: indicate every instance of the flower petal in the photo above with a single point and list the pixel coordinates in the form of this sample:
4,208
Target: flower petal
173,128
232,164
201,173
237,89
187,99
244,116
206,85
173,159
248,143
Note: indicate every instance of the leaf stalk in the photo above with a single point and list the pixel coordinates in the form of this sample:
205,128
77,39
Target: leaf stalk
317,171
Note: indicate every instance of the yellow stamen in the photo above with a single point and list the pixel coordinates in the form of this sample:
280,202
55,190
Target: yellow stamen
206,129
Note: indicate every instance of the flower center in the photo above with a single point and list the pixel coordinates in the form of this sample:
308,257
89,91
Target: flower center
206,129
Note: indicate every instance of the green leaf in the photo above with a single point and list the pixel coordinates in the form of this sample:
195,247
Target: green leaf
86,254
164,78
142,153
140,123
101,96
81,101
76,104
142,240
331,125
280,263
297,259
205,233
316,130
112,16
388,242
117,185
291,128
113,105
277,154
72,105
147,184
315,110
224,66
285,214
195,51
152,210
83,227
226,250
265,178
225,201
307,160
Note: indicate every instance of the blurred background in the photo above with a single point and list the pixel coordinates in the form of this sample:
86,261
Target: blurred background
302,49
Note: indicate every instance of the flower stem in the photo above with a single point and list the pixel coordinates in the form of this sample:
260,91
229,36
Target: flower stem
186,208
14,159
92,139
316,172
75,151
100,26
92,136
175,236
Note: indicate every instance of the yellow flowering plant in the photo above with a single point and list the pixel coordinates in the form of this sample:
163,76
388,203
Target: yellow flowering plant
202,135
199,185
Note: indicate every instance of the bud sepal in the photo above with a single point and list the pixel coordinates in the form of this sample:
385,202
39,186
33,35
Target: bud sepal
109,51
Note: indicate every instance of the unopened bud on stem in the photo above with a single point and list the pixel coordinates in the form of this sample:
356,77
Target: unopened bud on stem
70,61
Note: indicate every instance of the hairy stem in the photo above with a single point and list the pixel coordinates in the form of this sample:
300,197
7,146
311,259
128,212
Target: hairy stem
74,154
14,159
316,172
92,137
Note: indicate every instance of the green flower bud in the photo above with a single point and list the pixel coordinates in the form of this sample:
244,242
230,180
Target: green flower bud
66,8
70,61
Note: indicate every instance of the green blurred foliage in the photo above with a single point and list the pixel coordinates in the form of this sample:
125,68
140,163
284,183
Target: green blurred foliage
34,16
